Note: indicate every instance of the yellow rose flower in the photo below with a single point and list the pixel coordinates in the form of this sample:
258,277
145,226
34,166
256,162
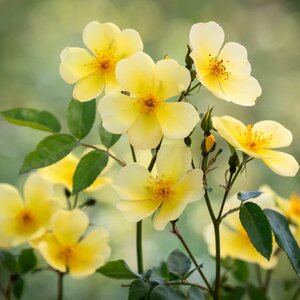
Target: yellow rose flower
257,140
225,72
62,173
167,194
67,250
28,219
94,72
235,242
144,114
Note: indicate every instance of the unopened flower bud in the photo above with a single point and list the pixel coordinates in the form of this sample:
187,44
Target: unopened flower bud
210,143
206,123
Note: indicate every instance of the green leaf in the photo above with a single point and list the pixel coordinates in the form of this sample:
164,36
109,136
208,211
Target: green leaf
108,139
241,271
138,290
178,263
27,260
257,227
237,293
162,292
284,237
195,293
50,150
9,262
33,118
243,196
255,293
117,269
88,168
81,117
18,287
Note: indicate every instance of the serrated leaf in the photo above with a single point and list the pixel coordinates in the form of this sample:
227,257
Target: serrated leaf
257,227
138,290
9,262
195,293
27,260
284,237
243,196
108,139
178,263
50,150
241,270
162,292
33,118
88,169
81,117
117,269
18,287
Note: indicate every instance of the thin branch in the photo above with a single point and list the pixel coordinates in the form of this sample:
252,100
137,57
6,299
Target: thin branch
187,283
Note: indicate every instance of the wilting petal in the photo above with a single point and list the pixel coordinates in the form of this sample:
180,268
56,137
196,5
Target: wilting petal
171,78
127,43
170,210
100,37
137,210
145,133
281,163
132,183
177,120
76,63
118,112
208,37
69,226
235,58
10,202
136,74
89,87
280,136
173,161
190,188
37,189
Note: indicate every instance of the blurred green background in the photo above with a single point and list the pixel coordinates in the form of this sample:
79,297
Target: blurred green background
32,35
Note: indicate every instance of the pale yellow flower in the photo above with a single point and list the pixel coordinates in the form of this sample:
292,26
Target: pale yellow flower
28,219
144,114
94,72
62,173
235,242
257,141
225,72
167,194
68,248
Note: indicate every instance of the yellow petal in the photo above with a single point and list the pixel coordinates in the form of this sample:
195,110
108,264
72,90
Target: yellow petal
145,133
76,63
10,201
99,183
137,210
100,37
136,74
190,188
170,210
111,83
6,240
177,120
90,254
281,163
209,37
170,78
37,189
281,136
173,161
128,42
89,87
118,112
131,183
235,58
69,226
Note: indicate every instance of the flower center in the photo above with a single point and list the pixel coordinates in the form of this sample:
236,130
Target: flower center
294,206
66,253
217,67
162,188
148,104
26,218
256,139
104,61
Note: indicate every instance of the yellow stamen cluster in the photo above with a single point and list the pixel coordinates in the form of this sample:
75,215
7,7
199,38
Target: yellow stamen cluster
256,139
26,218
148,104
104,61
66,253
217,67
162,188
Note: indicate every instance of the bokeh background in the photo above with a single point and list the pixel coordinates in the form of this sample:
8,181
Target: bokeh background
32,35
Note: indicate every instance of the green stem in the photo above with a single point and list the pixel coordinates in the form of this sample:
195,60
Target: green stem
60,286
75,200
187,283
139,246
